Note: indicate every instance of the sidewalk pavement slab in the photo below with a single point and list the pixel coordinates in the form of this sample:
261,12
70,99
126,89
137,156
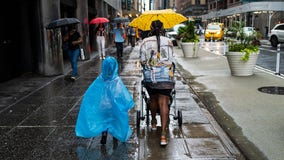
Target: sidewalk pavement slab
199,137
38,116
252,119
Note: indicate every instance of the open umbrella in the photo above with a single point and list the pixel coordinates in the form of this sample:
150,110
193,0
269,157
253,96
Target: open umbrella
120,20
168,17
99,20
62,22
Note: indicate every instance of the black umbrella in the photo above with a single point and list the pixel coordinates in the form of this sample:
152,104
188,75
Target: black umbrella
62,22
120,20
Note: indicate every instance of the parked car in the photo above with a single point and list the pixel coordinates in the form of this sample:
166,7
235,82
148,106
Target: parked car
199,30
215,31
172,33
248,31
176,27
230,33
276,35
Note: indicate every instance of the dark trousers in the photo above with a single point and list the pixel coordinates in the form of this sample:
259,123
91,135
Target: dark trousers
119,48
73,57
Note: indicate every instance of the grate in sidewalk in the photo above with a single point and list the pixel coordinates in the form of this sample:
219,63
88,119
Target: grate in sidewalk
272,90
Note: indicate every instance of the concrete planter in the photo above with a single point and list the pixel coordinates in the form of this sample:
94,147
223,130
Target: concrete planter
239,67
179,43
190,49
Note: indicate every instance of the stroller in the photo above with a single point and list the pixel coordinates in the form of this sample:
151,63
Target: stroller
157,73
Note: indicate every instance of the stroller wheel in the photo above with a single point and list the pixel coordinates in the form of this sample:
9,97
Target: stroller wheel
138,120
179,118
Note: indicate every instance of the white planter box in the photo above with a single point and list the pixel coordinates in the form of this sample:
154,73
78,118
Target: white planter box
179,43
190,49
239,67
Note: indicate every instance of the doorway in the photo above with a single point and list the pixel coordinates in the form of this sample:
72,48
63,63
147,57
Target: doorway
18,38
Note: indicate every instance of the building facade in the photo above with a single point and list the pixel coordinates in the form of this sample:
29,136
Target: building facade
27,46
261,14
192,8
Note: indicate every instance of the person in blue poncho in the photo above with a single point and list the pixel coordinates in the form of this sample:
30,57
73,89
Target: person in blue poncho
105,106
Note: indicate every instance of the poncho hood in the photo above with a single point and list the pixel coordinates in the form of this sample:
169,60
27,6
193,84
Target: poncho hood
109,68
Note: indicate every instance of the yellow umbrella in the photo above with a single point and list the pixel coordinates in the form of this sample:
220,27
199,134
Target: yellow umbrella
168,17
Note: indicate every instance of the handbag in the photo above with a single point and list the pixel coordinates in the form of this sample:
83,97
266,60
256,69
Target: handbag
82,54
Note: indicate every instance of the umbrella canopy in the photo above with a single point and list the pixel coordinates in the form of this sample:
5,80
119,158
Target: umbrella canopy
168,17
62,22
99,20
120,20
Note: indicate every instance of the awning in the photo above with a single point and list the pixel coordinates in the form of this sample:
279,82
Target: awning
247,7
116,4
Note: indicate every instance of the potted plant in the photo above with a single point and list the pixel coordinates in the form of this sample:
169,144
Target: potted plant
243,50
189,40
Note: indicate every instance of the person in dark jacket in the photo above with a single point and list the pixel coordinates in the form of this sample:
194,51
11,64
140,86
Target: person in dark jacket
74,40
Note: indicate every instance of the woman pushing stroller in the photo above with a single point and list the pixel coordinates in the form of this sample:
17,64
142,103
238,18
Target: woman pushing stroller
158,70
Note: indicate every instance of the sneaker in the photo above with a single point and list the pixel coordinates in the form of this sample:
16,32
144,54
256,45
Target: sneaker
73,78
154,126
115,143
163,141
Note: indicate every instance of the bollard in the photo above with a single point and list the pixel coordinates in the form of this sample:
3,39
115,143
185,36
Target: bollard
225,46
278,60
211,40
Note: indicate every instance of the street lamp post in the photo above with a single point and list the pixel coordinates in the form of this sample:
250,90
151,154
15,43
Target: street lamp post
216,1
270,14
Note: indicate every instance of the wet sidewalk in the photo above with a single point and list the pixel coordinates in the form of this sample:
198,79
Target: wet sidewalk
252,119
38,116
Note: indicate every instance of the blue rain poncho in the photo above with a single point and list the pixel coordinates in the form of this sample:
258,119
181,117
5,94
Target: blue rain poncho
105,105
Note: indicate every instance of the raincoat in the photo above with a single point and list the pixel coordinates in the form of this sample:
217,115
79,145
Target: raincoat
105,105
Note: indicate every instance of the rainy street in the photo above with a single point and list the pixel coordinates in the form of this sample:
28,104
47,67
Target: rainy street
38,117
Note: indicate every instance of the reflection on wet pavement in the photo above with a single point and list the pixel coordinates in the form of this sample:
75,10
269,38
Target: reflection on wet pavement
39,123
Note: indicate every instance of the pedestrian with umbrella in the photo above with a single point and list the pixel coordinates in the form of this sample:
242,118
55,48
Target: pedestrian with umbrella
101,40
119,37
156,21
101,34
74,40
71,41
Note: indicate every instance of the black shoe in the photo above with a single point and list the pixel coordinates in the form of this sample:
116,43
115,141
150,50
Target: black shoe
115,143
104,138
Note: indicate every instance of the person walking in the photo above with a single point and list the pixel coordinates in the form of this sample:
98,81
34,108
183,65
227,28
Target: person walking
101,40
105,105
158,90
119,36
131,36
74,40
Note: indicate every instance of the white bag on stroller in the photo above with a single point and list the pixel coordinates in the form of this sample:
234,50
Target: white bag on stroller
158,73
158,67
